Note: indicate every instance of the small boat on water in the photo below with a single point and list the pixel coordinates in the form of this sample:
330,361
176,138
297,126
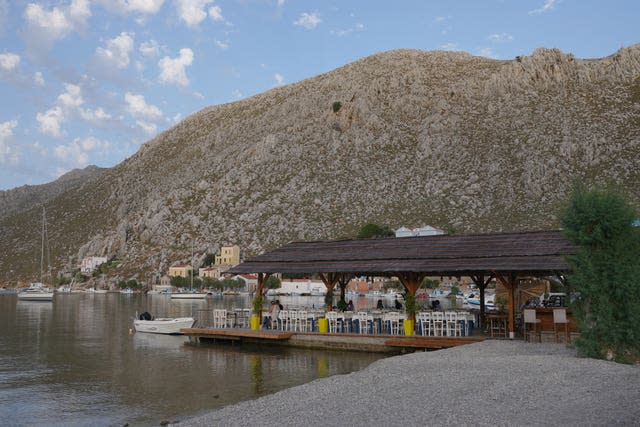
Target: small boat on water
37,291
188,295
163,325
473,301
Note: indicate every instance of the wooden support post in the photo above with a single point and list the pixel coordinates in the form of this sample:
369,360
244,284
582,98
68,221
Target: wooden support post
411,282
510,283
482,285
262,279
329,280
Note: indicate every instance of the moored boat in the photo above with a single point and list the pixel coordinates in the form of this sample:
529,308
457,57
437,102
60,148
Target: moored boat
36,292
164,325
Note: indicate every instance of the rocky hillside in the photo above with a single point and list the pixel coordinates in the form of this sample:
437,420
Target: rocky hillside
401,138
27,197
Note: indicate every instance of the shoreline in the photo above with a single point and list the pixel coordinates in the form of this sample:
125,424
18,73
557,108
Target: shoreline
496,382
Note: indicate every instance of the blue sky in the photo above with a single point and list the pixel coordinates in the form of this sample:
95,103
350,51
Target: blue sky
88,81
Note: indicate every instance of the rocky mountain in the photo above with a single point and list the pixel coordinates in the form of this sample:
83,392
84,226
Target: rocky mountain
27,197
399,138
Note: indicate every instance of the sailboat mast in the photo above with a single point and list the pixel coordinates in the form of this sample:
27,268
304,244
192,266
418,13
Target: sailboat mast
191,286
42,248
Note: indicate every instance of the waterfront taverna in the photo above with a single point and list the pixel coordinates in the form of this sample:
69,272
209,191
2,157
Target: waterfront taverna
508,258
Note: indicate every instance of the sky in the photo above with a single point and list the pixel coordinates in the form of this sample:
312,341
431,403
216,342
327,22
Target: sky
86,82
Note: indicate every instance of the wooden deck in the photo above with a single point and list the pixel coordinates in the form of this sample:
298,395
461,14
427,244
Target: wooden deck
340,341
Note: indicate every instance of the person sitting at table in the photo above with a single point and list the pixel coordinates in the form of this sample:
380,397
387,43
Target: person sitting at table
274,311
435,305
349,306
398,304
379,306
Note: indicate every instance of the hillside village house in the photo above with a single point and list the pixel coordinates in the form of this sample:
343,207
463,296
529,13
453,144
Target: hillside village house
212,272
90,263
181,270
250,281
229,256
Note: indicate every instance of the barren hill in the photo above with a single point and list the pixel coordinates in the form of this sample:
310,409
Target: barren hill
402,138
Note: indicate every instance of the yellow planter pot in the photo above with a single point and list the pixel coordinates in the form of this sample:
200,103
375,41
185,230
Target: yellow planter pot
409,327
254,321
323,325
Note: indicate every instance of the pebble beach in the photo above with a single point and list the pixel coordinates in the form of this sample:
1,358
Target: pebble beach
493,383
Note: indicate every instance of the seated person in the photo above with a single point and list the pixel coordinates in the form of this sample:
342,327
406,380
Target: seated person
349,306
398,304
379,306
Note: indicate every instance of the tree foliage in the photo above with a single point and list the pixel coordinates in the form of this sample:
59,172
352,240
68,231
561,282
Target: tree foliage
273,282
605,273
371,230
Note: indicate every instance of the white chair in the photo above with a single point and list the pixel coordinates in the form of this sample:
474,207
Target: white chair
423,318
302,321
219,318
531,325
560,318
452,324
391,321
438,323
332,318
283,320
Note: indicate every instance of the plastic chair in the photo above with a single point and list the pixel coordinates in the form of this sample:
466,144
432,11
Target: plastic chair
219,318
423,318
438,323
332,318
452,324
531,325
560,318
283,320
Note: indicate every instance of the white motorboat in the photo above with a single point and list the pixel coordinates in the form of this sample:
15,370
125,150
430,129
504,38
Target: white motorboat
37,291
188,295
473,301
164,325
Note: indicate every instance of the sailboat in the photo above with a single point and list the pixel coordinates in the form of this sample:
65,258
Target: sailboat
37,291
190,294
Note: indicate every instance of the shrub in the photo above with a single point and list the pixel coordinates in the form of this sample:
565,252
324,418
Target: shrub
604,273
336,106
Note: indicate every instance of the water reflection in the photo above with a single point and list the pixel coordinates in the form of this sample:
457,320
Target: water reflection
74,362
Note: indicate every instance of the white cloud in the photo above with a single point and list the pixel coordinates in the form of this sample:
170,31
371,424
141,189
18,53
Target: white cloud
192,12
340,33
50,122
57,23
222,45
450,46
499,38
95,116
548,6
236,94
150,49
172,70
72,98
487,52
9,61
148,128
7,153
215,13
138,107
279,79
149,7
116,51
4,12
38,79
308,21
77,153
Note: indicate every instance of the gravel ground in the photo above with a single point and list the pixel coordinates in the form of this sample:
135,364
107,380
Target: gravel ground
493,383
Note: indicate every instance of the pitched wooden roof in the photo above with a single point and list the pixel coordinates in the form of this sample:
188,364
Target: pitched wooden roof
534,252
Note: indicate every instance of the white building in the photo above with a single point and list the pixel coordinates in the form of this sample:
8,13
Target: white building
300,287
90,263
427,230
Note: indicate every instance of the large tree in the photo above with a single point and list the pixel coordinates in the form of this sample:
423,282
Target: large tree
605,273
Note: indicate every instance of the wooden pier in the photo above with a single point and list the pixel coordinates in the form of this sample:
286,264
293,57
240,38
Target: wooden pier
343,341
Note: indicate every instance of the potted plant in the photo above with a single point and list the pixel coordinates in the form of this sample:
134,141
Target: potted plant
411,306
257,304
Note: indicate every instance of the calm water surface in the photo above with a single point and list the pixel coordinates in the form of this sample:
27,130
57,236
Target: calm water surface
73,362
